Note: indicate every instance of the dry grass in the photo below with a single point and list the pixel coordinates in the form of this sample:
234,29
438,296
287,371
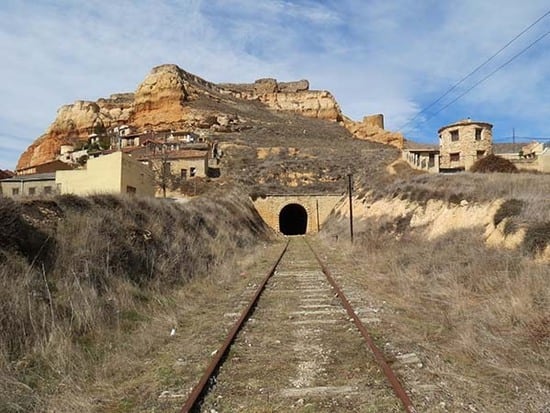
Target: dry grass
526,198
97,270
472,187
322,154
532,189
478,317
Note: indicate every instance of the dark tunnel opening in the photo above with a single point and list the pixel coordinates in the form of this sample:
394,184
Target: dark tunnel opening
293,220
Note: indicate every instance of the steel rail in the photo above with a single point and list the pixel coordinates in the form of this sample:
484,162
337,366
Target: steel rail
199,391
379,356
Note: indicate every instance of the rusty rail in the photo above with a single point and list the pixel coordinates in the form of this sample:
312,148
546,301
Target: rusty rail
199,391
379,356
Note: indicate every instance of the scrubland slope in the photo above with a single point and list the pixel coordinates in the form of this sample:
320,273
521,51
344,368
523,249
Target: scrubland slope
460,265
79,275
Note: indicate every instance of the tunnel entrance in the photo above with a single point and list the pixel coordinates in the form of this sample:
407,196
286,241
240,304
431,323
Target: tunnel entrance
293,220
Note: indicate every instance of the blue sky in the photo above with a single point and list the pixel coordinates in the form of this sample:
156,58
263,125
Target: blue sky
375,56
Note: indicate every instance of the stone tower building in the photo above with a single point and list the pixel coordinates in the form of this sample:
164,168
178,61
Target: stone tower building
462,143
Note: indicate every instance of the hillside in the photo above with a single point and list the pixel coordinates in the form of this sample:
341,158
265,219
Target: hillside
264,128
455,265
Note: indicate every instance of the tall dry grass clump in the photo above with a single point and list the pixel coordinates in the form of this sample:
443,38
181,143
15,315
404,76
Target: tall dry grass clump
77,272
482,315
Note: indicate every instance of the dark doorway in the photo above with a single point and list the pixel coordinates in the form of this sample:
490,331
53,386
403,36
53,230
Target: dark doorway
293,220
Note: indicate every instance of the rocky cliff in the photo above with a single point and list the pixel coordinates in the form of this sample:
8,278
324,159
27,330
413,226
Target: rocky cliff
74,123
170,97
289,96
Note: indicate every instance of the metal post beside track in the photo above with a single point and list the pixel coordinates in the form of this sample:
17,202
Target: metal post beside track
350,191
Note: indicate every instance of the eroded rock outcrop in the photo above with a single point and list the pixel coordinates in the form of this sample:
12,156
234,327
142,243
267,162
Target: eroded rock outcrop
74,123
171,98
436,218
160,101
289,96
372,129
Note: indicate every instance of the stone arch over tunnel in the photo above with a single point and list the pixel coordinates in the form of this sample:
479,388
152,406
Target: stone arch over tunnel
293,220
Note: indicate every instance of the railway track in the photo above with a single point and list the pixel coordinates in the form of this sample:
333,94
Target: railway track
298,345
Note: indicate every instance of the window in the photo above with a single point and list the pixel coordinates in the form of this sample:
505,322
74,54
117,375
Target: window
130,190
431,160
480,154
15,191
455,157
192,171
183,174
47,189
454,135
478,134
32,191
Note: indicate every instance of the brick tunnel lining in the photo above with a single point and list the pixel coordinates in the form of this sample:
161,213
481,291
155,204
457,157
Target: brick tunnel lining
293,220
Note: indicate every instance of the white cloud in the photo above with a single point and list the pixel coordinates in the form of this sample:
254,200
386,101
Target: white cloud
390,57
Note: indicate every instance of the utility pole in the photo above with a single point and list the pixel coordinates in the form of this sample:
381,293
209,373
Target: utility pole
513,135
350,190
317,208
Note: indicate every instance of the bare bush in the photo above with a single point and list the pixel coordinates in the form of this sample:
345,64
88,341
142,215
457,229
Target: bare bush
493,163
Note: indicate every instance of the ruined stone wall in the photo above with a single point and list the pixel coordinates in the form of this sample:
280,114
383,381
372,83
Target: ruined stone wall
371,128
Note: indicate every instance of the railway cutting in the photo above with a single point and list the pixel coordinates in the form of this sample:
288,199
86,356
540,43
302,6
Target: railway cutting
299,350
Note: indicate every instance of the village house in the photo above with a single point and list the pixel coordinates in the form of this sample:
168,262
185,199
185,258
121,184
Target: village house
132,164
422,156
29,185
115,173
533,156
45,167
462,143
5,174
183,164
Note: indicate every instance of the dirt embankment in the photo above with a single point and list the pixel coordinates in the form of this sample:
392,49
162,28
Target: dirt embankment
79,275
437,218
461,265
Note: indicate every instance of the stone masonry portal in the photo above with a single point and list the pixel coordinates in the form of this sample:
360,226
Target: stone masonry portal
296,214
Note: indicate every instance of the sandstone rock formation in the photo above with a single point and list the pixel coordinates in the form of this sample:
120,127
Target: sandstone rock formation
74,123
171,98
289,96
161,99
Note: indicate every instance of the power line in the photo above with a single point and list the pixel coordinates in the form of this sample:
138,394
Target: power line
509,138
453,87
490,74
